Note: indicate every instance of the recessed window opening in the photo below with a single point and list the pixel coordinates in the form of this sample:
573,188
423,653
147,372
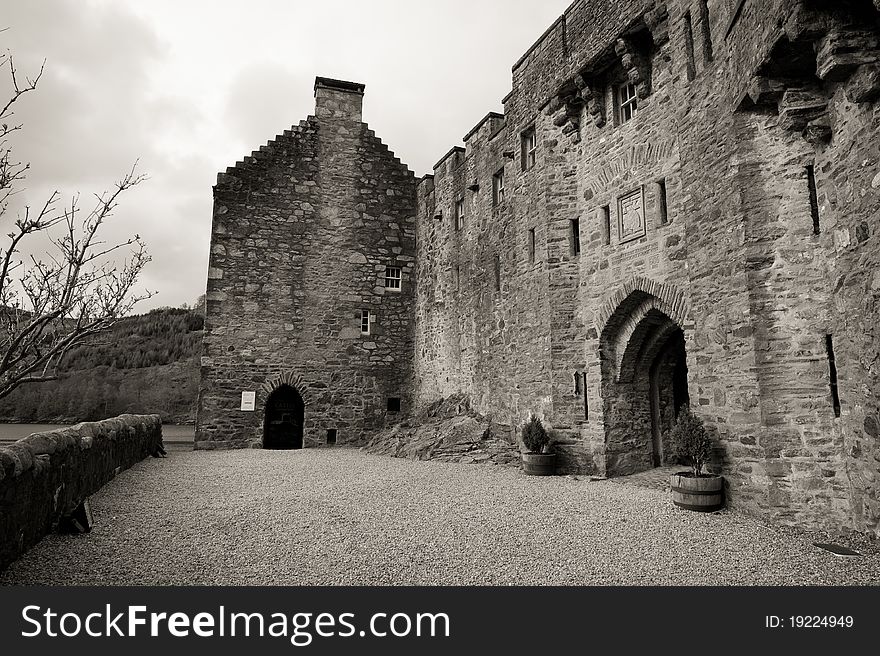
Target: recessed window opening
662,207
832,374
529,148
366,321
459,214
586,397
393,404
577,383
393,278
814,199
627,102
498,188
689,46
331,436
532,245
574,236
605,213
706,29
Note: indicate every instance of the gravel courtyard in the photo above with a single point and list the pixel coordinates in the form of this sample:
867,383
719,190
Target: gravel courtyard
340,516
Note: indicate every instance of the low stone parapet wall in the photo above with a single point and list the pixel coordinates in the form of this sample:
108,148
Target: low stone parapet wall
46,476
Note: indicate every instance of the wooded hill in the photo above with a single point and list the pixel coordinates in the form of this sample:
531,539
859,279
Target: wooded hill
145,364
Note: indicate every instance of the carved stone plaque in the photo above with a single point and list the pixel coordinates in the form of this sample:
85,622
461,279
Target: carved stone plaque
631,215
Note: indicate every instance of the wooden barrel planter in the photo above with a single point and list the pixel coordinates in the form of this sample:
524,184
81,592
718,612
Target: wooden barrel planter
539,464
703,494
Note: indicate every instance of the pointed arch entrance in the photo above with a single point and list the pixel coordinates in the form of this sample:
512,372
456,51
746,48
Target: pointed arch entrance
643,359
284,419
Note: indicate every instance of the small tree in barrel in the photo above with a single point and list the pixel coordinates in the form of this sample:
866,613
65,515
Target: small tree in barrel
534,436
690,441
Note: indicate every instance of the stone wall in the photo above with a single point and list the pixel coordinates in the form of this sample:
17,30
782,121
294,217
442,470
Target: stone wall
45,476
742,214
303,231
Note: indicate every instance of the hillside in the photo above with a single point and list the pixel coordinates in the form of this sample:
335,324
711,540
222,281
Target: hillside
145,364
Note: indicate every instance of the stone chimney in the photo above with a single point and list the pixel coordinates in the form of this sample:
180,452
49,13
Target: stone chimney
338,100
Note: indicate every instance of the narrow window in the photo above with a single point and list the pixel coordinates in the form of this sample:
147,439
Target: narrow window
393,404
497,273
586,398
532,245
459,214
393,278
331,436
366,320
689,46
529,148
662,207
627,102
814,199
605,224
706,30
577,383
574,237
498,188
832,372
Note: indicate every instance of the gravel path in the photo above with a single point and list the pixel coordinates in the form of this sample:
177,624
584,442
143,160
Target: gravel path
340,516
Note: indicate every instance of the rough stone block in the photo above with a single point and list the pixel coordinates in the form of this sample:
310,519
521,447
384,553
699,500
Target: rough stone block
864,86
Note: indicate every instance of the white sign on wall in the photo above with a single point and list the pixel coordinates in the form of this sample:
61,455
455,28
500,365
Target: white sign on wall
248,401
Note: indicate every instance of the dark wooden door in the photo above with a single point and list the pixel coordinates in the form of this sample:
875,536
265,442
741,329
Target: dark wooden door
283,424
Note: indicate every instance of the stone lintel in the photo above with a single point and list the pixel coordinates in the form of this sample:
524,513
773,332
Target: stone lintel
800,106
840,52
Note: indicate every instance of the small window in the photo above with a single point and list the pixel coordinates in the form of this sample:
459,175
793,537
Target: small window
690,59
459,214
532,245
627,102
393,404
498,188
662,207
574,237
577,383
586,396
367,319
529,148
814,199
832,374
706,28
392,278
331,436
605,224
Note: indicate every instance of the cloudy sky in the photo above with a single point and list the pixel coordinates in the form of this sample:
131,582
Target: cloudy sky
187,87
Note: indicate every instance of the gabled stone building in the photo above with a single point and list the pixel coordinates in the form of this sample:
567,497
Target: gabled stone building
308,336
679,205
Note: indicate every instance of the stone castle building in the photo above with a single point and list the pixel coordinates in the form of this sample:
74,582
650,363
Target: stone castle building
679,205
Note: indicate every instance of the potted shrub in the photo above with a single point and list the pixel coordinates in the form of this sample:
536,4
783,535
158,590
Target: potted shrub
691,443
538,458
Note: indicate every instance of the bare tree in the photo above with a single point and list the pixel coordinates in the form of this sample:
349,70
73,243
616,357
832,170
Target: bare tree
78,286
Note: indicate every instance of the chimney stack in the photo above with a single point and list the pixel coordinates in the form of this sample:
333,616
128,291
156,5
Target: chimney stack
338,99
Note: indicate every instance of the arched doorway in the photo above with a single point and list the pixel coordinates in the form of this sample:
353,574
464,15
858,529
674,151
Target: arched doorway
283,422
644,382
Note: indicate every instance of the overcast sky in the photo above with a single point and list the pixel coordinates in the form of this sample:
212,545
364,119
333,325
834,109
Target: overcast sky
190,86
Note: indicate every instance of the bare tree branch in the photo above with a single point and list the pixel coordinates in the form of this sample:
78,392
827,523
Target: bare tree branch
75,289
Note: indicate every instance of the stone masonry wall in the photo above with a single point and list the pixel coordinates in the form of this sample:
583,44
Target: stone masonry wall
734,116
303,232
47,475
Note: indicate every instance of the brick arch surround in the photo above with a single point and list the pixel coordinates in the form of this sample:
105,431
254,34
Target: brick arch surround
642,356
292,380
669,299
